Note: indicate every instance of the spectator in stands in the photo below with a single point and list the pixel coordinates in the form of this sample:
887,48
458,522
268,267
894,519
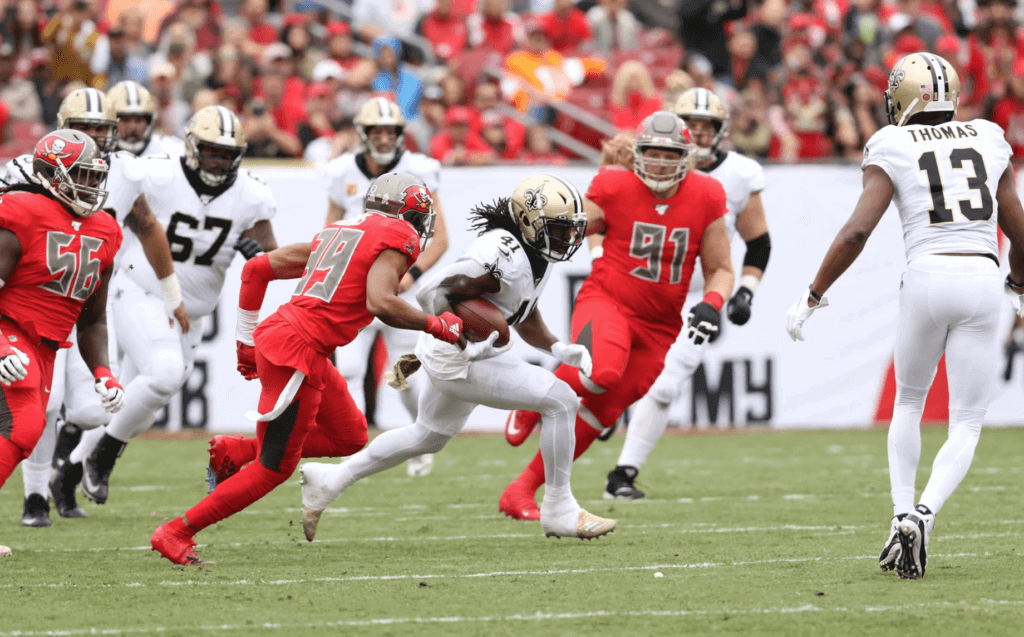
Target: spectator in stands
47,88
359,71
112,61
203,98
431,118
260,30
486,98
5,120
749,130
263,135
376,18
493,131
633,96
73,35
677,83
446,30
344,140
236,34
404,84
702,30
495,27
1009,111
18,93
614,27
202,18
566,26
867,22
453,90
171,111
538,148
868,109
178,48
459,144
321,110
20,26
279,61
909,19
287,110
133,22
993,46
295,34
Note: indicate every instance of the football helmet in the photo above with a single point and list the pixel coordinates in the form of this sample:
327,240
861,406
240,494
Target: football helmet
68,163
549,211
662,130
405,197
214,145
921,83
131,98
381,111
700,103
89,107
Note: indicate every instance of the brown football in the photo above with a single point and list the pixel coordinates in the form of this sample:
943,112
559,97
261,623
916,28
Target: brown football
479,318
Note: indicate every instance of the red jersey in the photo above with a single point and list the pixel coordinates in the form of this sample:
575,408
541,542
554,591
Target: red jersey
328,307
62,258
651,244
1009,114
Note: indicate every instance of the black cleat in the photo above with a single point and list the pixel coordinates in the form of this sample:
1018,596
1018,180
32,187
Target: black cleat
97,468
620,484
64,479
608,432
68,438
36,512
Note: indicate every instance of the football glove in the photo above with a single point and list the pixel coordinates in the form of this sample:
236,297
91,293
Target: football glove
1018,291
485,348
703,322
249,247
246,360
738,309
110,390
799,313
575,355
12,364
446,327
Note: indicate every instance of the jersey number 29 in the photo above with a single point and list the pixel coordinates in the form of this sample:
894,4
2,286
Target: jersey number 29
327,264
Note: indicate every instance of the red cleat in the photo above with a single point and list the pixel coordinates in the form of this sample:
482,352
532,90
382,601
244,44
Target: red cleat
226,459
517,503
179,548
519,425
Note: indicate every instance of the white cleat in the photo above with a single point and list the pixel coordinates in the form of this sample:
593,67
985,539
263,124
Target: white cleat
915,530
316,496
574,522
420,465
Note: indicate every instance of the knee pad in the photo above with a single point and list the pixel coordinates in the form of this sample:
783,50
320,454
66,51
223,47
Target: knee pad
911,396
560,399
434,442
89,417
664,390
167,372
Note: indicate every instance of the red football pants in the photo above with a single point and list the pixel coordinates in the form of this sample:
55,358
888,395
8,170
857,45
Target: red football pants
326,419
23,404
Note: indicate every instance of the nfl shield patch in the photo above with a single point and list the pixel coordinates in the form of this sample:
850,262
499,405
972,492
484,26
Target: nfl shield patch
350,189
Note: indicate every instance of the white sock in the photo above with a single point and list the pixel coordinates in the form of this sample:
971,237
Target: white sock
646,426
90,439
954,458
904,451
139,412
387,450
35,470
558,436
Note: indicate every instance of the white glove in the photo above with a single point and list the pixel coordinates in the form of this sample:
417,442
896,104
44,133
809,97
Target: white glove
799,313
111,393
1017,298
575,355
12,367
485,348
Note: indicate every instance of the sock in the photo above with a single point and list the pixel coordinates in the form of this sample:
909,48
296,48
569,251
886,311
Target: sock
178,527
645,430
954,458
534,475
10,456
231,496
85,446
904,452
35,471
557,436
390,449
139,411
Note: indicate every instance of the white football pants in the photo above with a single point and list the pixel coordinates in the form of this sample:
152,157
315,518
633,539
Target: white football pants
948,304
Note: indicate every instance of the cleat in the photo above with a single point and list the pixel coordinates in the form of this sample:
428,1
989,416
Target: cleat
519,425
316,496
225,455
179,548
64,479
588,527
892,550
68,438
620,484
518,504
36,512
97,467
420,465
608,432
310,520
914,531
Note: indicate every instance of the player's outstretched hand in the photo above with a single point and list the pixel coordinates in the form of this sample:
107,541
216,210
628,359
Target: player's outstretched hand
800,312
575,355
249,247
12,364
703,322
485,348
446,327
738,309
110,390
181,316
246,360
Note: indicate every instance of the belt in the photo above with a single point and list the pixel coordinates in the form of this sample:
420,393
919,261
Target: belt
47,342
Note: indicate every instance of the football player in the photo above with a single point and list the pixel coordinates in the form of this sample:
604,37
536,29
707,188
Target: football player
87,110
55,258
657,217
953,184
743,179
207,206
351,272
381,129
135,110
509,264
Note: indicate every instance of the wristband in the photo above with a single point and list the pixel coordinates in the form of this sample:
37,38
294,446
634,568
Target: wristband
715,300
246,325
102,372
597,252
1013,285
415,272
814,295
172,292
750,282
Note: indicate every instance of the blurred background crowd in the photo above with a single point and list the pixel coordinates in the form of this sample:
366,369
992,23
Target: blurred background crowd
491,81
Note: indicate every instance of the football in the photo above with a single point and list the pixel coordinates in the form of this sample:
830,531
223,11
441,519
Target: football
479,318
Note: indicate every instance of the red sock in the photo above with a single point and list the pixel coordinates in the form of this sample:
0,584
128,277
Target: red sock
247,486
10,456
178,527
533,476
571,375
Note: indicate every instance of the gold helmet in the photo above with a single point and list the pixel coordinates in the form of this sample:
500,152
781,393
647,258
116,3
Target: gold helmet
88,107
922,83
666,131
549,211
700,103
381,111
214,145
131,98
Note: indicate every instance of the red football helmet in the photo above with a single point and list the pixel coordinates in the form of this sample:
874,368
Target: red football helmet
68,164
406,197
662,130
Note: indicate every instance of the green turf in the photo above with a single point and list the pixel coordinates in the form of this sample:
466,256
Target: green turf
761,534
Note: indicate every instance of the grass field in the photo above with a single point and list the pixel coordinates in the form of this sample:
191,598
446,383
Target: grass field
759,534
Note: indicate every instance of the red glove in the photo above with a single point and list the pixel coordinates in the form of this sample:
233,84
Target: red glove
246,360
446,327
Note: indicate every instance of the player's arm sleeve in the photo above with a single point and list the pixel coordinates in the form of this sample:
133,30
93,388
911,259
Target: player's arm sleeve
755,180
878,153
716,199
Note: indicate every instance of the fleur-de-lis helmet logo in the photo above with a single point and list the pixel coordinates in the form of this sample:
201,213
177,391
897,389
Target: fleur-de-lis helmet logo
535,199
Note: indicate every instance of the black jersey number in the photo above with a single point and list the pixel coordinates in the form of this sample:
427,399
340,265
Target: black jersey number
939,212
328,262
649,243
181,247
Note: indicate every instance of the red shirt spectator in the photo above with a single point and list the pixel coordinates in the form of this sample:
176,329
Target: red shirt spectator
446,30
1009,111
566,26
459,144
260,31
495,27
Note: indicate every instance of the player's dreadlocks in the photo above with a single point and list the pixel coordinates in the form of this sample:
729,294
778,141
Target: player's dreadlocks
497,216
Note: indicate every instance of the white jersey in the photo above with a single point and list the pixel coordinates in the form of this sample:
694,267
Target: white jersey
348,180
17,171
501,254
202,232
945,179
163,145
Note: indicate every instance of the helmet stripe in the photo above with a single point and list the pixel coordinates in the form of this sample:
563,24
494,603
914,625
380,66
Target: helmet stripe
577,199
702,99
132,90
227,124
92,102
936,76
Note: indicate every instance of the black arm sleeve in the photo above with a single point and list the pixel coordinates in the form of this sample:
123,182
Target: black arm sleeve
758,250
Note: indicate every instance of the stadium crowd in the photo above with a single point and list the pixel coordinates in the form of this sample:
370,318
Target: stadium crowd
803,79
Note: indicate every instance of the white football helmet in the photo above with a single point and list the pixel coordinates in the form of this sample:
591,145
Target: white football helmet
700,103
214,145
88,107
662,130
132,98
381,111
549,211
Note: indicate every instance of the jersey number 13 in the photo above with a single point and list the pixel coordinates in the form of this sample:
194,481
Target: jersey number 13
939,212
